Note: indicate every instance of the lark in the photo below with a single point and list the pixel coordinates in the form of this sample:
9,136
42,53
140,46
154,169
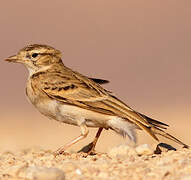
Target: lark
67,96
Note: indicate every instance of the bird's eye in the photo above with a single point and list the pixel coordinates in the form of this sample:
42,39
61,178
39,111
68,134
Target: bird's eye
34,55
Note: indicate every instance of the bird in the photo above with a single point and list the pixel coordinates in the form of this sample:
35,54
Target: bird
65,95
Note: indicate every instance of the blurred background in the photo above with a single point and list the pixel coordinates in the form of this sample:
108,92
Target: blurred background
142,47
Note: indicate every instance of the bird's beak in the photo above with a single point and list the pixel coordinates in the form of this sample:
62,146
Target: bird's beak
13,59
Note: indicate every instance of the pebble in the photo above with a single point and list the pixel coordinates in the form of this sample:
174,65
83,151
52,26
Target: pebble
122,151
144,149
122,162
186,177
42,173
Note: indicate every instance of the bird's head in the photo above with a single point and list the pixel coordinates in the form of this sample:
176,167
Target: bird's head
36,56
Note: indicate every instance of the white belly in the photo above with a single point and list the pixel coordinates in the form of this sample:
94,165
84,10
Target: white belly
71,114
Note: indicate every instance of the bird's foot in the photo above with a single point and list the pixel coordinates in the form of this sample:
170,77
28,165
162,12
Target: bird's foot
88,149
60,151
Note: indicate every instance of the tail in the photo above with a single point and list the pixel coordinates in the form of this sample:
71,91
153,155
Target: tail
117,108
168,136
157,129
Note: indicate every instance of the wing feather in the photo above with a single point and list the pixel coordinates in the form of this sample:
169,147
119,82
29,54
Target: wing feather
73,88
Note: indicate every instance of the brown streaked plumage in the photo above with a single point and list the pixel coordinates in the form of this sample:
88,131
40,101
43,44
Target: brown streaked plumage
70,97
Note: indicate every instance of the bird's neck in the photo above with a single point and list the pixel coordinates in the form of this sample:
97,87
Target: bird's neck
36,70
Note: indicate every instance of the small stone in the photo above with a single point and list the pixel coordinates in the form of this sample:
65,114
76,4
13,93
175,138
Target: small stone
103,175
163,147
144,149
15,170
186,177
43,173
78,171
122,150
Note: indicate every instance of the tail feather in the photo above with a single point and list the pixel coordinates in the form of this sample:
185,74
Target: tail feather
155,122
147,129
168,136
141,121
157,129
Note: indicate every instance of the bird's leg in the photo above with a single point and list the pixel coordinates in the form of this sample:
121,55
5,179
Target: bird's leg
84,133
94,142
90,148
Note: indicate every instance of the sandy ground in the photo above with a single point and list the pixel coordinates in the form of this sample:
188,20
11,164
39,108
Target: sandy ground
120,162
27,145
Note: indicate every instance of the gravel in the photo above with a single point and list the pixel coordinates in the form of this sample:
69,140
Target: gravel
122,162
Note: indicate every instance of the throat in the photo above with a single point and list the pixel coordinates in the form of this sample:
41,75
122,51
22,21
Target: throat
33,71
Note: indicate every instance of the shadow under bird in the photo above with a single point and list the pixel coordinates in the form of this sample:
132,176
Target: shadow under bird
65,95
